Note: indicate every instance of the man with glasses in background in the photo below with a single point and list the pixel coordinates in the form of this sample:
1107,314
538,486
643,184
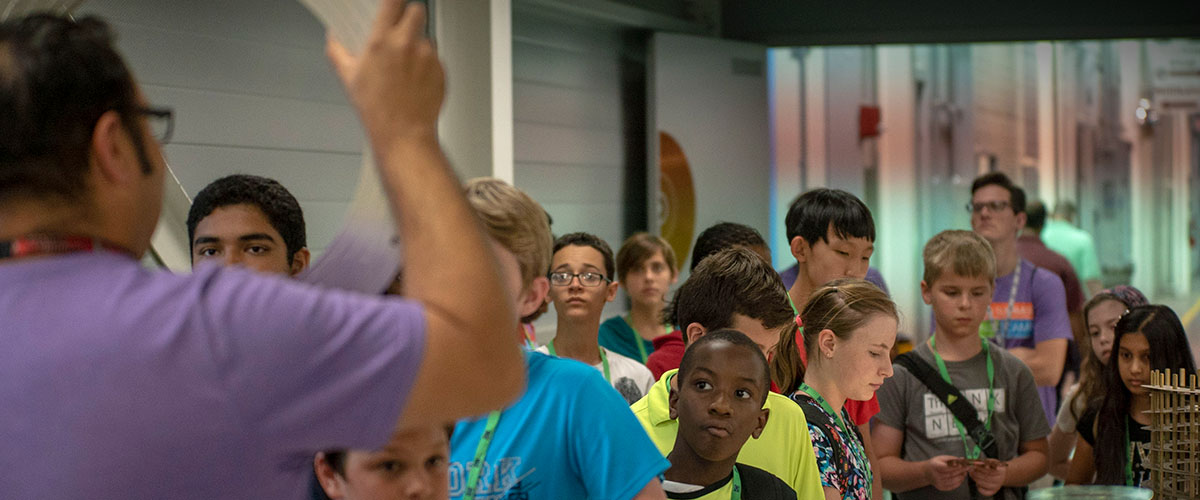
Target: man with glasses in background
1028,314
581,282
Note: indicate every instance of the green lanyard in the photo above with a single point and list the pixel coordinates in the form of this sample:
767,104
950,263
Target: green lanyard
859,452
603,362
736,493
793,304
485,441
991,403
1128,457
637,338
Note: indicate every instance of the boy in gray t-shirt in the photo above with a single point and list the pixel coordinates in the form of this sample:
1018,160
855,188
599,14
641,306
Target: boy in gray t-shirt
919,443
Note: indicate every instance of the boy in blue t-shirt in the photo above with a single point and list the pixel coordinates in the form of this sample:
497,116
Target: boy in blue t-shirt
570,435
723,386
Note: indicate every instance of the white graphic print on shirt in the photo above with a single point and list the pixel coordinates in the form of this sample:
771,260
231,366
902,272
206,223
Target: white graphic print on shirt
939,420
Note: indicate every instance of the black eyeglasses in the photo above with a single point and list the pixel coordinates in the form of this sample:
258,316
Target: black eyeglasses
161,120
585,279
993,206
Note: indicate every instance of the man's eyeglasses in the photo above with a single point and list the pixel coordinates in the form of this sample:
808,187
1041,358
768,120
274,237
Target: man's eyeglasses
993,206
585,279
161,121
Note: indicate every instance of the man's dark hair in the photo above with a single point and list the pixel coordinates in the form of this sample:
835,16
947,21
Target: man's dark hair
275,201
588,240
1065,210
57,77
1035,215
737,338
813,212
734,280
1016,194
724,235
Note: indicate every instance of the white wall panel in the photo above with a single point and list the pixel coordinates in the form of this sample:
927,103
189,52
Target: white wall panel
252,93
204,117
569,146
537,143
547,104
172,59
316,176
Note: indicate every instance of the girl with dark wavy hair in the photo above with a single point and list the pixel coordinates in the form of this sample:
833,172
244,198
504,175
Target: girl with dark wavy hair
1101,314
1114,441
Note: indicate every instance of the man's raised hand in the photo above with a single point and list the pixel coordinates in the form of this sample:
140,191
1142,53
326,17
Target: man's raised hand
396,83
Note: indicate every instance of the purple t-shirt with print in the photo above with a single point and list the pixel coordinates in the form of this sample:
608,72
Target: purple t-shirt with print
1039,314
122,382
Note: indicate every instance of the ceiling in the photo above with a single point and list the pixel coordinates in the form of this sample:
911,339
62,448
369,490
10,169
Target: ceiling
824,22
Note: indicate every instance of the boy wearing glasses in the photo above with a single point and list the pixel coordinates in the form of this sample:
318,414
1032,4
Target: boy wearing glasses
1028,314
581,272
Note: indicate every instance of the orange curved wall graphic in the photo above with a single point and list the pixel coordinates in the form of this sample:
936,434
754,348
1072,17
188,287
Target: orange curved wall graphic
677,200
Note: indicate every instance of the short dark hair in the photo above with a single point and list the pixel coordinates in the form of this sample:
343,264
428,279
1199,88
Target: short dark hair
1065,209
337,458
588,240
1016,194
733,280
275,201
1035,215
724,235
57,78
738,339
813,212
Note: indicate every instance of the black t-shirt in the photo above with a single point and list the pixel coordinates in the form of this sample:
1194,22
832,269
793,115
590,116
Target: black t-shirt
757,484
1139,442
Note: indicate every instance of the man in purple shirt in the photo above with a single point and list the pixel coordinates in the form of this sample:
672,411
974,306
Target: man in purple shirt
122,382
1029,309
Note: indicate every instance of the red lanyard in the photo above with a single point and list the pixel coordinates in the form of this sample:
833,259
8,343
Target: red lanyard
45,244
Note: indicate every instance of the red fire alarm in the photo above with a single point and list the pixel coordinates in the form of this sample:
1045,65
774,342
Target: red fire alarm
868,122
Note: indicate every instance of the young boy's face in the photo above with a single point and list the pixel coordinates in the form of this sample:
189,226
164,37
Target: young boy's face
834,257
574,300
719,403
960,303
413,465
648,281
242,235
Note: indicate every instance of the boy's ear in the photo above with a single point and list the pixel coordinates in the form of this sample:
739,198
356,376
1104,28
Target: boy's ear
694,331
1021,219
300,261
612,291
763,415
672,401
926,293
327,477
800,249
533,296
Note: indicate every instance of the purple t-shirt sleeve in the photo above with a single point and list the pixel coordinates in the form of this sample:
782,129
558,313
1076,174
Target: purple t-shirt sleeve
1050,319
305,368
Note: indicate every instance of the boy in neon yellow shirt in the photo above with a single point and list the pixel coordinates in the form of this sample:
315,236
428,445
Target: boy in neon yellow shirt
737,289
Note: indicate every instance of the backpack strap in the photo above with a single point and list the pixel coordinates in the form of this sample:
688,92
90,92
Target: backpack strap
820,420
952,398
